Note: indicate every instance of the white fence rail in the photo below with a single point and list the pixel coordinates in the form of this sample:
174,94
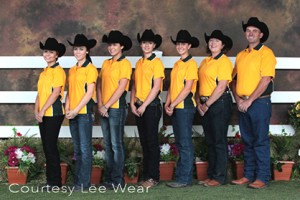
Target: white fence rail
31,62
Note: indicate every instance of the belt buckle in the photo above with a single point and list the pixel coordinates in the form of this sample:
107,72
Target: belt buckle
139,102
203,99
244,97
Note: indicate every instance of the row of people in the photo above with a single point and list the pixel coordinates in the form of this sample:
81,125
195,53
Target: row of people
251,85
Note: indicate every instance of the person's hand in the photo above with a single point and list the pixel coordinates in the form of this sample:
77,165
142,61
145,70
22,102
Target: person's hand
141,110
71,114
39,116
134,110
201,112
103,111
169,110
244,105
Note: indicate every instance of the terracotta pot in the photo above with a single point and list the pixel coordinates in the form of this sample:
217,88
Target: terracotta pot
201,169
238,169
96,175
286,173
16,176
135,179
166,170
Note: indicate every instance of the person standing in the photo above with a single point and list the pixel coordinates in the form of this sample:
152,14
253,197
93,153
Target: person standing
79,106
252,86
112,88
215,103
180,104
146,105
49,110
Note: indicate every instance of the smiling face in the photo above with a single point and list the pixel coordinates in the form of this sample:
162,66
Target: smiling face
80,53
253,35
183,48
50,56
115,49
215,45
147,47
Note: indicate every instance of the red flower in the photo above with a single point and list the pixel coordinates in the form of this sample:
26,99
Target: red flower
98,147
237,135
19,134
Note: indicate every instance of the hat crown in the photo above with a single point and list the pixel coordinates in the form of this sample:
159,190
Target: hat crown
116,36
82,40
183,35
149,35
226,40
52,44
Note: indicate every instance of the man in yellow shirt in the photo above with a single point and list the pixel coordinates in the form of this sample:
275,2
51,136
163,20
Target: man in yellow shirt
252,86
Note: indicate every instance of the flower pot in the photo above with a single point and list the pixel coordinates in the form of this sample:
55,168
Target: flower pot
16,176
96,175
286,173
64,170
238,169
166,170
135,179
201,169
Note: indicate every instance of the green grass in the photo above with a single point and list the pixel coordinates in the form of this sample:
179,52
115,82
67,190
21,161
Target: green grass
284,190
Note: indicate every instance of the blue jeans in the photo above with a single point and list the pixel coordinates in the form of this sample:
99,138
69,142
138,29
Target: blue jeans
254,127
182,121
81,130
113,132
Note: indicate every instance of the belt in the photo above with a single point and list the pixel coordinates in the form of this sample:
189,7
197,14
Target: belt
139,102
203,99
261,97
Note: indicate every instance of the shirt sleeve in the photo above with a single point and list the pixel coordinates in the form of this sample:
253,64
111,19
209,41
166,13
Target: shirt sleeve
59,78
192,72
92,75
159,70
268,64
126,70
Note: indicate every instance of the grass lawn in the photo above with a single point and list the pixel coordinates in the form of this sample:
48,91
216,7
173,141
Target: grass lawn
288,190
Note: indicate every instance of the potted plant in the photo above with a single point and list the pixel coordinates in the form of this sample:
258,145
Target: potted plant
132,159
19,158
281,155
201,157
294,116
236,155
98,163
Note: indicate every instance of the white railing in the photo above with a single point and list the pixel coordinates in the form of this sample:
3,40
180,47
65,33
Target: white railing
29,62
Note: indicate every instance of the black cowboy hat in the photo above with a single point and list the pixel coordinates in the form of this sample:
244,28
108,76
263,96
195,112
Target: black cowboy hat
118,37
52,44
148,35
81,40
253,21
185,36
227,41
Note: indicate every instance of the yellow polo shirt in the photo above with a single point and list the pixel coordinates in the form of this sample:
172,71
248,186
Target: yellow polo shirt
251,66
111,73
211,71
146,71
183,71
52,77
79,79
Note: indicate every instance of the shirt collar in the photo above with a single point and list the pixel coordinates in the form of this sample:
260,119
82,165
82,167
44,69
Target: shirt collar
53,66
257,48
121,58
86,62
151,57
187,58
218,56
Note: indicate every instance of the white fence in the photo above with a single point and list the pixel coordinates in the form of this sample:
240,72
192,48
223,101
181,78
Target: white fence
29,62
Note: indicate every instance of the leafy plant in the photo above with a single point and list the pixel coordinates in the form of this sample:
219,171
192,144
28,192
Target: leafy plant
294,115
98,155
281,149
131,167
236,148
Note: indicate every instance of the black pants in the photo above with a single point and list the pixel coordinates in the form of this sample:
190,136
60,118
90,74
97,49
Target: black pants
215,126
49,130
148,133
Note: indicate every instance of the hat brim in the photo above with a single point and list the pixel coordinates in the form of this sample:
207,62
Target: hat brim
124,41
89,44
193,41
60,48
226,40
157,39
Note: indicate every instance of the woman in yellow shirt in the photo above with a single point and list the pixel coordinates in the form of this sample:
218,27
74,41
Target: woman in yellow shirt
215,103
180,104
80,103
112,88
49,111
146,106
